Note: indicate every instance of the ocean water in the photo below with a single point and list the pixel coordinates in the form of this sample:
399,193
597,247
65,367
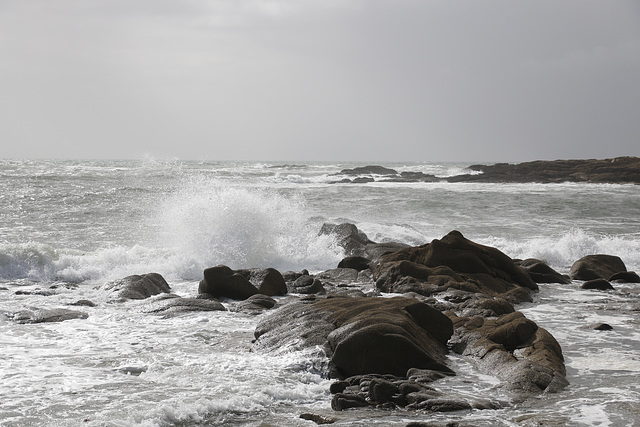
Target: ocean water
67,227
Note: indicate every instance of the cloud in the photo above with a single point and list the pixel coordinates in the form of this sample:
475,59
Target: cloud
349,79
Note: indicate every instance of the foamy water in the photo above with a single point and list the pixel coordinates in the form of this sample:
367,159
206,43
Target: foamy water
69,226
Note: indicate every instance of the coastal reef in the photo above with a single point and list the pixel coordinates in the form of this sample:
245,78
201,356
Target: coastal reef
618,170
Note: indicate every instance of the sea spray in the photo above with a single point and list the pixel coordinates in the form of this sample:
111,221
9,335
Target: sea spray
208,224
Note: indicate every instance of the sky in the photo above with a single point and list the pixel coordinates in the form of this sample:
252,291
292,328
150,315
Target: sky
369,80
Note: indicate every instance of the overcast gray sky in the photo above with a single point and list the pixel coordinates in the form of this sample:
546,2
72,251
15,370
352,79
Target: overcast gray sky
442,80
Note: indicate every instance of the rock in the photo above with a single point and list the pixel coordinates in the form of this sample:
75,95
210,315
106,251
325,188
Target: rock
451,262
625,277
40,292
342,401
338,276
602,327
84,303
176,305
371,169
306,285
255,304
348,237
268,281
223,282
599,284
596,267
356,262
363,335
318,419
46,315
540,272
615,170
138,286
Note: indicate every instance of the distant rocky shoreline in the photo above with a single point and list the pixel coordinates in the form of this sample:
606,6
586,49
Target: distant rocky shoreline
618,170
387,351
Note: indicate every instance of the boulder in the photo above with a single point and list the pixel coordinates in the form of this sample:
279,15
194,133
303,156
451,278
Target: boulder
598,284
596,267
138,286
625,277
256,304
222,282
370,169
540,272
306,285
363,335
268,281
356,262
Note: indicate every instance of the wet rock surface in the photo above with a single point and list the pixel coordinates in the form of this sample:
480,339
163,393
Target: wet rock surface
137,286
389,352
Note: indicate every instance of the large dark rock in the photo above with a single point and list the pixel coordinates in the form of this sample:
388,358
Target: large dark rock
222,282
306,285
363,335
540,272
356,262
625,277
615,170
598,284
596,267
268,281
451,262
138,286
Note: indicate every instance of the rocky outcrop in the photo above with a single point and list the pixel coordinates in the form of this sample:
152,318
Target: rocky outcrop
451,262
596,267
347,236
615,170
138,286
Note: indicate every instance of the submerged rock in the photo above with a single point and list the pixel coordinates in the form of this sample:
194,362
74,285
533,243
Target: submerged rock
138,286
46,315
174,305
598,284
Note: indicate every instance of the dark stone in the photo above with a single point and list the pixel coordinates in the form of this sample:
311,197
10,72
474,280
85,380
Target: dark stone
363,335
596,267
453,262
338,276
540,272
223,282
256,304
342,401
602,327
625,277
306,285
356,262
381,390
176,305
138,286
599,284
46,315
318,419
40,292
615,170
372,169
84,303
268,281
338,386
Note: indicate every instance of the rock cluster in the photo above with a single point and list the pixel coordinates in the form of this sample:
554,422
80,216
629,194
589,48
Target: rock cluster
615,170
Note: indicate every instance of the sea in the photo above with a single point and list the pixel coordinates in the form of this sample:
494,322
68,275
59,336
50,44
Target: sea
67,227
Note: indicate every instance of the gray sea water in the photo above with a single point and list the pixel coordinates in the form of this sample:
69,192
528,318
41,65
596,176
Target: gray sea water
69,226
